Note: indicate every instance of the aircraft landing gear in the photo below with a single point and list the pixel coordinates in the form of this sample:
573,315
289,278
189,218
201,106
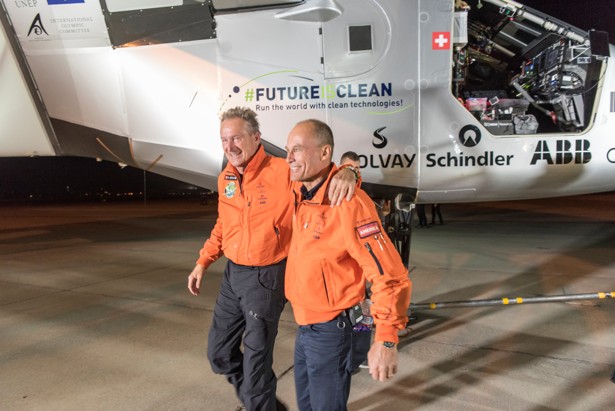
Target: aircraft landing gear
398,225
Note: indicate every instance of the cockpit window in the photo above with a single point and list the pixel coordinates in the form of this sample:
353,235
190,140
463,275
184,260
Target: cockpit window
360,38
143,22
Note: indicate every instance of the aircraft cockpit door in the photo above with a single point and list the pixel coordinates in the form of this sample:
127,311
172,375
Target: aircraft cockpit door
371,73
356,41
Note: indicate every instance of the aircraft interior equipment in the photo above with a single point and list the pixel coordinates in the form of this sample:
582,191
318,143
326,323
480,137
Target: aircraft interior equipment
518,72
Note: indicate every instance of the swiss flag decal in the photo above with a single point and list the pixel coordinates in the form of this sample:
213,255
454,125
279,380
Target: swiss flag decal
441,40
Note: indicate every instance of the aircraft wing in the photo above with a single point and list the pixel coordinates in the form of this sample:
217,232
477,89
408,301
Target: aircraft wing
22,130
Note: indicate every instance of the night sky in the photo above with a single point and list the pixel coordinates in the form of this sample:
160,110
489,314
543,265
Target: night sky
59,178
584,14
45,175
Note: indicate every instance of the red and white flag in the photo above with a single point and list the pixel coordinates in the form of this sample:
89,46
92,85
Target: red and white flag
441,40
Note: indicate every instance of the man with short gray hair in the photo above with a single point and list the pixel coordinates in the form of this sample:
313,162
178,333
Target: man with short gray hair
332,251
253,232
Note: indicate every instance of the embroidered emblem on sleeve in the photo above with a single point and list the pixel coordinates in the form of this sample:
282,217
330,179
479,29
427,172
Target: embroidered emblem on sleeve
368,229
230,189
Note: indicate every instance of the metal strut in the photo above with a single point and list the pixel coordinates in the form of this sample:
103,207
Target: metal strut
510,301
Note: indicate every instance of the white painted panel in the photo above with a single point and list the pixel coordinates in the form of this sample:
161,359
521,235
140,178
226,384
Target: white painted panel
21,130
339,61
172,94
261,38
40,26
82,87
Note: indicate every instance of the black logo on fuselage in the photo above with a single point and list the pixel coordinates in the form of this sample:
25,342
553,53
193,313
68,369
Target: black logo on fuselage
37,26
385,160
565,152
469,136
379,137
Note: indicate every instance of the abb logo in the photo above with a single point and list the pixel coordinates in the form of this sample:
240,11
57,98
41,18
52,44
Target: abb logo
564,153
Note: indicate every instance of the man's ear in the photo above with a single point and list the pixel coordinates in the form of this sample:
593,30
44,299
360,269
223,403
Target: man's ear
327,152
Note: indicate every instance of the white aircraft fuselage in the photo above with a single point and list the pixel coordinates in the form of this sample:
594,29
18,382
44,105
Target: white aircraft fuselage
441,104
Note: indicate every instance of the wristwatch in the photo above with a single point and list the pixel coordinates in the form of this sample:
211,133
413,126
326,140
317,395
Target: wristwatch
388,344
355,170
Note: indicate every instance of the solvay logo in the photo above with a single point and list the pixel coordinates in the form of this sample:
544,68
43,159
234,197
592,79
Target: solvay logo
37,26
385,160
379,141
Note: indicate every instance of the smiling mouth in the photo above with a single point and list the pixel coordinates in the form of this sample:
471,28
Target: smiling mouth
234,155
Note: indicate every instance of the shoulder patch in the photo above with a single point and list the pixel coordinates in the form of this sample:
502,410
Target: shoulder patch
230,177
230,190
368,229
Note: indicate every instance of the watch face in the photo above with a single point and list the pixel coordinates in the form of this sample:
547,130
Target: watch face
388,344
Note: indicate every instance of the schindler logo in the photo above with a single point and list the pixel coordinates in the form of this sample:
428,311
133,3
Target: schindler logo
37,26
469,136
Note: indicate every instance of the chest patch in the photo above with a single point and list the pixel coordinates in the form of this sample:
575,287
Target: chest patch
230,189
368,229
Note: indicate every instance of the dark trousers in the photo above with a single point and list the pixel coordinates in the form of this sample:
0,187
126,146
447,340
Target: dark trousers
248,307
361,343
323,365
420,212
435,211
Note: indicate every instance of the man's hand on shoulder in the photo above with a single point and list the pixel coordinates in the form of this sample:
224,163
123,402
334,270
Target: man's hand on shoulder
343,185
195,278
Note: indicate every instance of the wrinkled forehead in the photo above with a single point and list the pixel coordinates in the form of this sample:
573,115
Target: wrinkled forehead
234,126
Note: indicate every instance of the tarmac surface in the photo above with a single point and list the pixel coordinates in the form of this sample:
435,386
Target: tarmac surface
95,313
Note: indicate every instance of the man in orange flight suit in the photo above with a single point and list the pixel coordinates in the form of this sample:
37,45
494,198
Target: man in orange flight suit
331,251
253,231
